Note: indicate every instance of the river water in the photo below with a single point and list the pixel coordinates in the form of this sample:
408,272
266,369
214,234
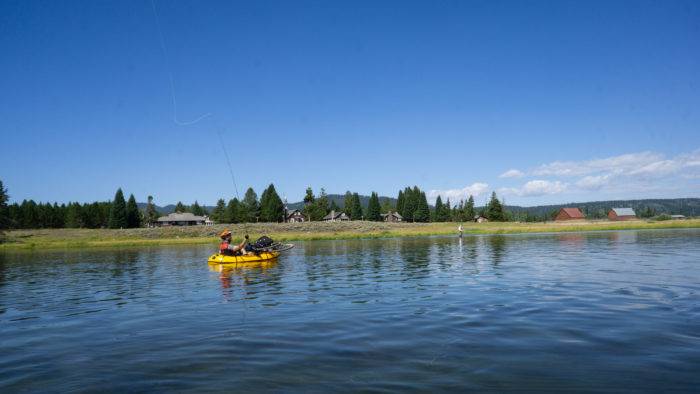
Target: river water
609,311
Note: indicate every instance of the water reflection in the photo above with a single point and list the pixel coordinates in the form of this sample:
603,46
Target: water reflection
623,237
572,240
497,245
415,257
246,277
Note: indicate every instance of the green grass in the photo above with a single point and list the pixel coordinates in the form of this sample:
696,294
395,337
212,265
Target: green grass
97,238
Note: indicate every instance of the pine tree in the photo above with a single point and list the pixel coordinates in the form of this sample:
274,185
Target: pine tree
400,202
374,209
4,209
271,206
105,209
448,211
196,209
347,204
386,205
250,206
422,213
309,205
494,211
117,215
72,215
219,211
412,198
58,216
151,213
439,210
29,217
14,214
321,206
309,196
91,215
133,215
45,215
356,207
469,209
316,208
334,206
180,207
233,212
408,205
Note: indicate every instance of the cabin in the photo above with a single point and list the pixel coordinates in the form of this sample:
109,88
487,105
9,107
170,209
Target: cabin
392,217
480,219
619,214
569,214
182,219
295,216
335,217
678,217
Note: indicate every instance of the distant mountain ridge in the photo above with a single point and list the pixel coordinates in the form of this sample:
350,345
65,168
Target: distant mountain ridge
170,208
340,201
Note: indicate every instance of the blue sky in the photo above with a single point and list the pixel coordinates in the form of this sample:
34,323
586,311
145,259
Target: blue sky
543,102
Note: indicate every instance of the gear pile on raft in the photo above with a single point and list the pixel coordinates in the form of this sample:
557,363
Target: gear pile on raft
263,249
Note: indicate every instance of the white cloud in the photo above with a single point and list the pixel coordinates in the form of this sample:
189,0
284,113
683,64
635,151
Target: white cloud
615,164
658,168
475,189
641,163
594,182
536,188
512,173
633,171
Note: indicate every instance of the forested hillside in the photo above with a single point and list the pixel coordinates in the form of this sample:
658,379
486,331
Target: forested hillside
599,209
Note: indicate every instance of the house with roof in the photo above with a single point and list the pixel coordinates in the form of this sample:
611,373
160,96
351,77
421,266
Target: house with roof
182,219
336,216
480,219
569,214
619,214
392,217
295,216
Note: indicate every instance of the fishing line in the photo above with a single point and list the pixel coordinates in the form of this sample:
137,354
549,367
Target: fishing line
228,162
170,73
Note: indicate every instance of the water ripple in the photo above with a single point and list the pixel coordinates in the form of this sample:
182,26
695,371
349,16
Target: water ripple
612,311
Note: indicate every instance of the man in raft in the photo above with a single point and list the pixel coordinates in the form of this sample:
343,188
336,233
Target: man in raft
227,249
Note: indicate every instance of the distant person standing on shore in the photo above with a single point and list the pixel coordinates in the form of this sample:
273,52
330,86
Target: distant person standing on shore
460,229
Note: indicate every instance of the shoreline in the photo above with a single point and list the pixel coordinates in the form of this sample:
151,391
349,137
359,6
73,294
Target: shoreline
200,235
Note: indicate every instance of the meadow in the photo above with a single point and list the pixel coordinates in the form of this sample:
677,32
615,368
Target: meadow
89,238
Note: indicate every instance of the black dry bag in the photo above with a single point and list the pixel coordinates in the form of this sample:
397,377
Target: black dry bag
263,242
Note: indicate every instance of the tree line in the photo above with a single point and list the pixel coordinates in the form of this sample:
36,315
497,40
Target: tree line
466,211
411,204
269,208
118,213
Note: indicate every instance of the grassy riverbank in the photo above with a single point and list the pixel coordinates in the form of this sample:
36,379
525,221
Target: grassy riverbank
84,238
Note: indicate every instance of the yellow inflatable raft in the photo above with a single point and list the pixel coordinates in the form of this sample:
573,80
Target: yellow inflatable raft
249,259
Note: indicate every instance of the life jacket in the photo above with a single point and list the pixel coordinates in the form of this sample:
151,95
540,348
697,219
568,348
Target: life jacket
223,249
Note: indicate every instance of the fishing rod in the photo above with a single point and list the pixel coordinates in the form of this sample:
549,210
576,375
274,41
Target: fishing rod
233,178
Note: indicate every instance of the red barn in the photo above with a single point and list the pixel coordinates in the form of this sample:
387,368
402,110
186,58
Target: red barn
569,214
622,214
